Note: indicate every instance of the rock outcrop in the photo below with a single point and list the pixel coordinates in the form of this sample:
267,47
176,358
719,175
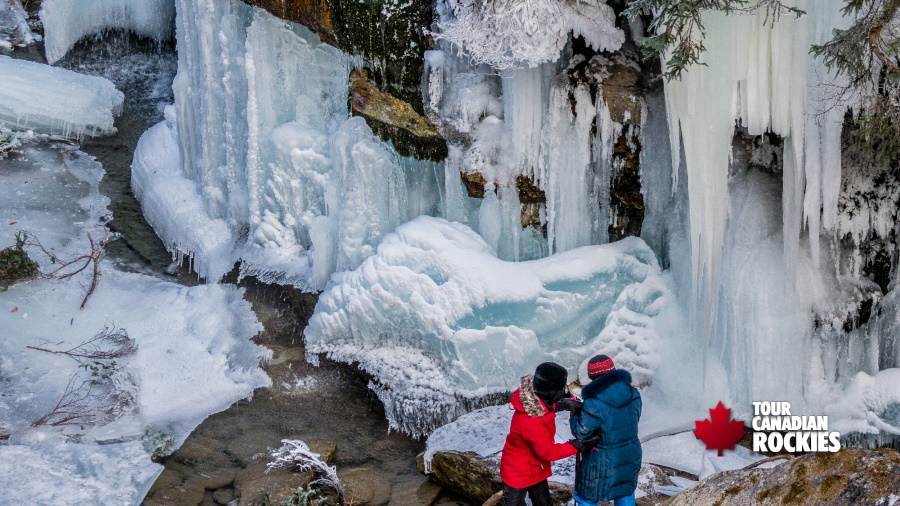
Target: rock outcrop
850,476
313,14
395,120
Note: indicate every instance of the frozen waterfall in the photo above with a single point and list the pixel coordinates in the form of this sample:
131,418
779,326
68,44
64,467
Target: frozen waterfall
264,132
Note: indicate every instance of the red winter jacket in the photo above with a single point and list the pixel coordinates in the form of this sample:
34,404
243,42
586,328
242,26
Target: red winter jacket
530,445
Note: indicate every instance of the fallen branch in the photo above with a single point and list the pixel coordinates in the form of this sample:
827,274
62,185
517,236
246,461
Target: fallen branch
110,342
68,269
73,408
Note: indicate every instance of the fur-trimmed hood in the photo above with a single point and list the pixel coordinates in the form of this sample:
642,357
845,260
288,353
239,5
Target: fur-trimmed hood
525,400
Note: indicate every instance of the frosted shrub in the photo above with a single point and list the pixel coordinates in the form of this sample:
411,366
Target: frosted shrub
296,455
9,141
507,34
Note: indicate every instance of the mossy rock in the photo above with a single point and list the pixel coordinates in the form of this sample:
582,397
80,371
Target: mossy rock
392,119
850,476
391,36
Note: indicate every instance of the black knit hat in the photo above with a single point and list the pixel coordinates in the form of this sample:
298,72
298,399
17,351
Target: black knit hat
599,365
549,379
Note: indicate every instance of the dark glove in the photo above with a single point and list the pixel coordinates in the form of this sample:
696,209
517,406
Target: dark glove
573,405
584,445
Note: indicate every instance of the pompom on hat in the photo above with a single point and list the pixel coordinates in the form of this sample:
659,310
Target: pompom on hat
599,365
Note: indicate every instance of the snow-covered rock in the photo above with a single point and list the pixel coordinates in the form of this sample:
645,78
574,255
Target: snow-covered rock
66,22
437,318
56,101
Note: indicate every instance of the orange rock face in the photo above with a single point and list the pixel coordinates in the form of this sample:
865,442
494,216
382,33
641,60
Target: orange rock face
313,14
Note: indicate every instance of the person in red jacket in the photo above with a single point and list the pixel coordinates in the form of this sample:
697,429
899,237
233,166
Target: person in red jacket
530,445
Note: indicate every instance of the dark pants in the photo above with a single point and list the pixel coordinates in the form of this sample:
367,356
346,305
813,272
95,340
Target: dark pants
539,493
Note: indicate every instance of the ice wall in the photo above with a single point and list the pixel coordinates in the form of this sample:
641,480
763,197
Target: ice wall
264,133
66,22
440,322
772,297
549,124
760,73
56,101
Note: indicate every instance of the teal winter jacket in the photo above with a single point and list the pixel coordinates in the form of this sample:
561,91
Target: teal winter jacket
611,410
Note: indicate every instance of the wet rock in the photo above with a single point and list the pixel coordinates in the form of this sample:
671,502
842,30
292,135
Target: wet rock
529,191
464,473
365,486
169,490
253,483
223,495
313,14
394,120
626,200
616,81
417,491
391,36
850,476
474,183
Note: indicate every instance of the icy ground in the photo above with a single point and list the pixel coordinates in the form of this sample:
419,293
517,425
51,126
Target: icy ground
193,355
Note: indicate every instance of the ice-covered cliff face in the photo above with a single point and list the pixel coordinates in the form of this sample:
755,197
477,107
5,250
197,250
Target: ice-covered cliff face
277,176
264,135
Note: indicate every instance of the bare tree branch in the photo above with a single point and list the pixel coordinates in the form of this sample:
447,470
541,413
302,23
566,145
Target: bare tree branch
109,343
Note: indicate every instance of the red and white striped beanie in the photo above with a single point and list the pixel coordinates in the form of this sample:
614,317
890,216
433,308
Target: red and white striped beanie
599,365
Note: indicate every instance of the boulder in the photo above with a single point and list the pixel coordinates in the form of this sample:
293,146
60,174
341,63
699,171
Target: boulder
365,486
394,120
465,473
253,483
850,476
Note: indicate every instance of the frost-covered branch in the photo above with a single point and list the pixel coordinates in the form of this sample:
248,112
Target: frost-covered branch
677,27
507,34
868,54
295,454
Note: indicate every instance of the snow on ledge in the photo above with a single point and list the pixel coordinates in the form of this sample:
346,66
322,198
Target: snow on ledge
56,101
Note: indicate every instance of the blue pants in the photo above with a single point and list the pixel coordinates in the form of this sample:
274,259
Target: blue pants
628,500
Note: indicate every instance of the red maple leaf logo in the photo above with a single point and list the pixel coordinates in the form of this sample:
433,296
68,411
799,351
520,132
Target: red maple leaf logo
720,433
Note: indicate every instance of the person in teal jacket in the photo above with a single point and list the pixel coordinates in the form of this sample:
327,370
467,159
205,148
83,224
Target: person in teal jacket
611,411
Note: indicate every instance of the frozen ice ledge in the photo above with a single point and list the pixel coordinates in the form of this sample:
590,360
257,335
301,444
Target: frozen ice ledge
56,101
443,325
